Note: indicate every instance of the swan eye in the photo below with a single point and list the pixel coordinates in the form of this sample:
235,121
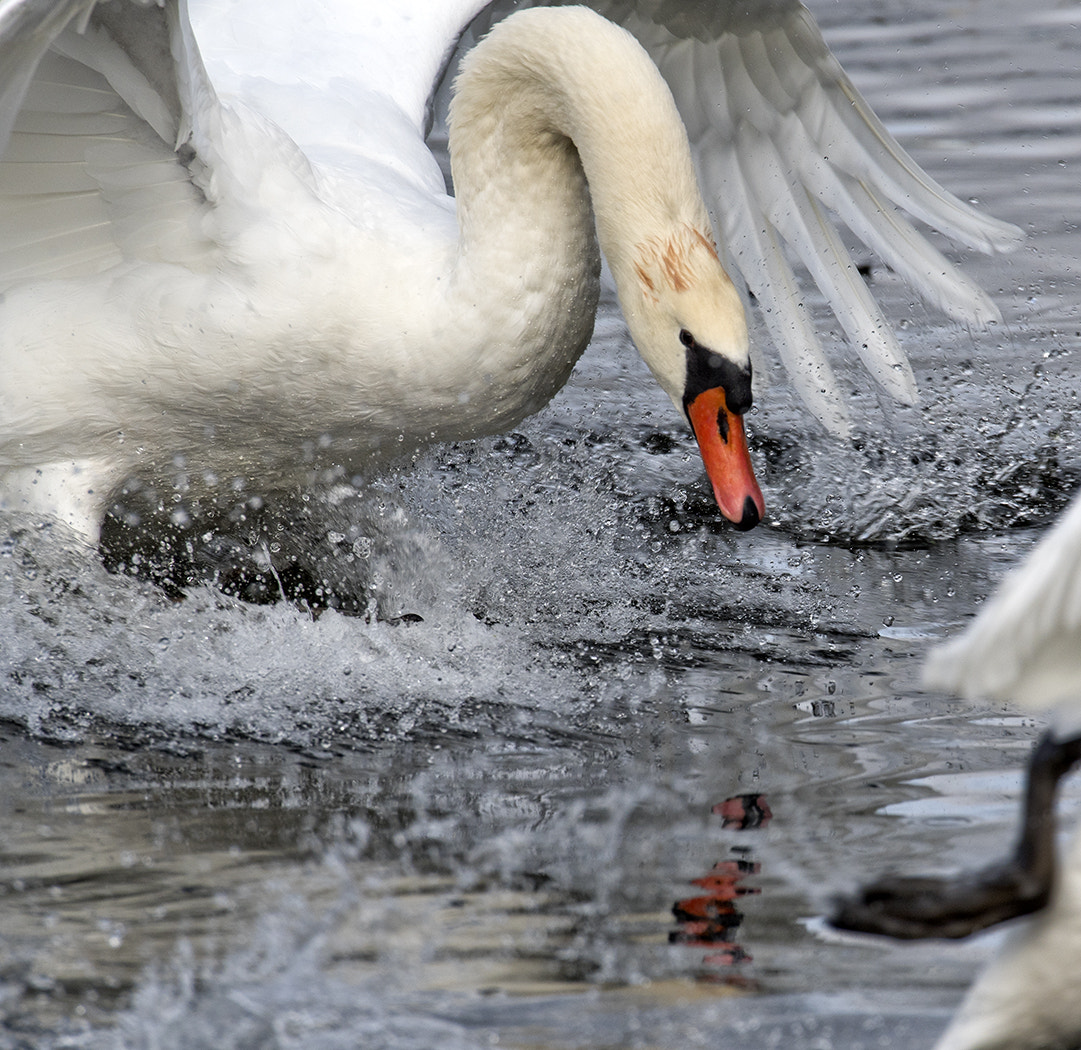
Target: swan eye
687,339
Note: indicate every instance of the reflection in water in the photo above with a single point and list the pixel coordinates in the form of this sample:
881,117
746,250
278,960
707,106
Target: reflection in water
710,920
742,812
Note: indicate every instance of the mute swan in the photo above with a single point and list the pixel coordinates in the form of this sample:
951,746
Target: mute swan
1025,646
277,284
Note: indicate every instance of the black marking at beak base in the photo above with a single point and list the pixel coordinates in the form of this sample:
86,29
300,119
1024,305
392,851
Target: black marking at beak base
707,370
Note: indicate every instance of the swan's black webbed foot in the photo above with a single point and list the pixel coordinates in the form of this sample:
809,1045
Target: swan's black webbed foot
915,907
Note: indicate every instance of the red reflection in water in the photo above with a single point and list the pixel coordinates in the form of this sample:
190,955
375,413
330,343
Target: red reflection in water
743,812
711,919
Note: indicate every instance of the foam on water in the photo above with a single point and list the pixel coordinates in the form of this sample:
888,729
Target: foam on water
500,576
83,648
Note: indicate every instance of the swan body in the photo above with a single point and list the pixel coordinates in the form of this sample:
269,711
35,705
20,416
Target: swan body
1023,647
276,285
1026,998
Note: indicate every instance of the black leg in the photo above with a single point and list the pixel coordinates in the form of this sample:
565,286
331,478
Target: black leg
915,907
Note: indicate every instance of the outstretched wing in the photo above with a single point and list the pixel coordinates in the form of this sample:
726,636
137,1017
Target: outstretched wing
1025,645
114,145
784,144
350,82
96,138
783,139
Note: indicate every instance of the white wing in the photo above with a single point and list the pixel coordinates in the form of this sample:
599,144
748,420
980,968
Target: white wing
1025,645
351,83
1027,994
111,141
117,154
90,172
785,143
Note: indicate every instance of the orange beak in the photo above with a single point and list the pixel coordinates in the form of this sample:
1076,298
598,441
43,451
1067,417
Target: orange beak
723,445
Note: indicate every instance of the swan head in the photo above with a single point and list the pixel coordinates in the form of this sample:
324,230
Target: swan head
688,323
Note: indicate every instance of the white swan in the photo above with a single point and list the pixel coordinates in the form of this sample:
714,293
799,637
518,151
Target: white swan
1024,647
1027,997
278,285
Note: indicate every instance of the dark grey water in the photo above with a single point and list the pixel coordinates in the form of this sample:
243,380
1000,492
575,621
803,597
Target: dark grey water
516,822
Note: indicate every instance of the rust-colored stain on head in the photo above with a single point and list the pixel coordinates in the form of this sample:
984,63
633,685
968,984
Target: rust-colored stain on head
647,281
707,241
674,264
671,260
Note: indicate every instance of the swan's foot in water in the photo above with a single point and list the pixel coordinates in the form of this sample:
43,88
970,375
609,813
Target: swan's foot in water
320,549
914,907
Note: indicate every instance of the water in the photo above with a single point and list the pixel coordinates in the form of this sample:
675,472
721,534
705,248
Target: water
501,806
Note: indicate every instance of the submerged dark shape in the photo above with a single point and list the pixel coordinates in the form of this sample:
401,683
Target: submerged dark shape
915,907
332,548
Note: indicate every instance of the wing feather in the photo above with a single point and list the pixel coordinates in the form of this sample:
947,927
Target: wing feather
757,251
1025,645
90,175
758,80
27,27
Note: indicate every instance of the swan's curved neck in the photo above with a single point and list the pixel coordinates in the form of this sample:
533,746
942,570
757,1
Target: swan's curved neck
553,101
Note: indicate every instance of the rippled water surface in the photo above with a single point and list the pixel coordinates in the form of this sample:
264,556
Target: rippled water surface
596,769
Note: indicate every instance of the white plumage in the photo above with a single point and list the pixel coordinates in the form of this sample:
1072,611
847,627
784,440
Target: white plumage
1025,646
1027,997
229,265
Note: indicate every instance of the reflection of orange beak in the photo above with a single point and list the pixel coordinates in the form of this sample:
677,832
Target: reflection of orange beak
724,452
